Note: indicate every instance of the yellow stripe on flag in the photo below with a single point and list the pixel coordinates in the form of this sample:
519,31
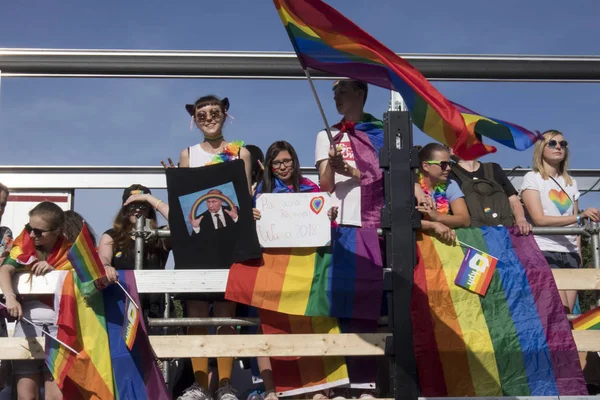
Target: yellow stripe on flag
297,284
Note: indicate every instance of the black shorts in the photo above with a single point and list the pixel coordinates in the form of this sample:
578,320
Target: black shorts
562,260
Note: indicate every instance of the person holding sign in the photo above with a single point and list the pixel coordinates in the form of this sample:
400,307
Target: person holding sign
282,175
551,197
437,195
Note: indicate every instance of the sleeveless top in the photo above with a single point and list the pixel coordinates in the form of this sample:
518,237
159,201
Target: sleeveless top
200,157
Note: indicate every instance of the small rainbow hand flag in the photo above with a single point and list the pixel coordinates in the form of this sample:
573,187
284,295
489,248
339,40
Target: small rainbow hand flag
85,259
588,321
476,271
130,323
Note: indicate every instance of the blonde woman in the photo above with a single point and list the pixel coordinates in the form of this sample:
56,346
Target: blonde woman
551,197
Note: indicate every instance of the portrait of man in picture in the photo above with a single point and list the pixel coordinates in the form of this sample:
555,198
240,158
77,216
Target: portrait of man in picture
216,216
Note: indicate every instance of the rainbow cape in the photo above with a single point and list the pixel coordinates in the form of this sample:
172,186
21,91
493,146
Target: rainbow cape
81,325
84,257
588,321
22,255
331,281
515,341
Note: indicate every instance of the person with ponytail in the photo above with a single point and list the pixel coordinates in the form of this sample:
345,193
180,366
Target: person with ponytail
440,199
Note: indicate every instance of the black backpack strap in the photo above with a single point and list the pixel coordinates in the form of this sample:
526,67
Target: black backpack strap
464,178
488,171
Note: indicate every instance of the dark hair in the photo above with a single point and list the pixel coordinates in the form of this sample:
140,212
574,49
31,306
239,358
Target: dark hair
49,212
256,155
426,153
356,85
4,189
122,230
210,100
269,178
73,226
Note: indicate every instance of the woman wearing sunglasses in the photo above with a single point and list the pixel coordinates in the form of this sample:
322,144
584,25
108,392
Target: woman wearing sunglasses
439,199
39,249
117,245
551,197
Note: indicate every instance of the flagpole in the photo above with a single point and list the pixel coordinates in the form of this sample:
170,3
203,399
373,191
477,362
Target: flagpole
312,86
128,295
475,248
43,331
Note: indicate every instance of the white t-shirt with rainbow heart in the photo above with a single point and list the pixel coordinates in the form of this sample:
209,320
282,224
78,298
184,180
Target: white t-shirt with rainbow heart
556,203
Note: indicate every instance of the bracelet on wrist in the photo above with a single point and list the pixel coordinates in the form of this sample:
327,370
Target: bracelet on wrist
157,204
579,220
10,294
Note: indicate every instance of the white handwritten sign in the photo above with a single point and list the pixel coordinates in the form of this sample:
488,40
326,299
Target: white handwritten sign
293,219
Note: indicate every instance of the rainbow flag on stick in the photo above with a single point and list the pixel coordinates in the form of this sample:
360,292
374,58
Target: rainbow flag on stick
130,323
84,258
342,280
514,341
476,270
588,321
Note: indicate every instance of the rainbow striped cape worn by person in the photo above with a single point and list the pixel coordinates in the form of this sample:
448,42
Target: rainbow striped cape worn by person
22,255
327,41
514,341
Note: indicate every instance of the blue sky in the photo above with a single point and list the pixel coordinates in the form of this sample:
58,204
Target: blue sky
140,122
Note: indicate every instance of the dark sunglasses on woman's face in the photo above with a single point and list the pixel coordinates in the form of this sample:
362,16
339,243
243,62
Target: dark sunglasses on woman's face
37,232
133,207
286,163
444,165
552,144
215,114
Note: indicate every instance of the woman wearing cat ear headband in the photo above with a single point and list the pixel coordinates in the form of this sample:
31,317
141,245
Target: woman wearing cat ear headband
551,197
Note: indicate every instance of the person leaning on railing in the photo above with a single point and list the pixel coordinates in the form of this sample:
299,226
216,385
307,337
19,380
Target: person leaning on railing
117,245
551,197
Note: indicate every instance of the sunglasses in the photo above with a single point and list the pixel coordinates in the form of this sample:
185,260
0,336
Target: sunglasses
552,144
215,114
444,165
133,207
37,232
286,163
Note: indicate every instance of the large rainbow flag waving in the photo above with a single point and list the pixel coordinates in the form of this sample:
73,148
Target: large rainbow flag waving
514,341
327,41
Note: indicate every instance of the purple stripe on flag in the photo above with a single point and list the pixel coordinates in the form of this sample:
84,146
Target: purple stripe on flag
368,289
563,352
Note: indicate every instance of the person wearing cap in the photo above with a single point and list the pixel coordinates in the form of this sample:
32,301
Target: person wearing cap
216,216
350,171
117,245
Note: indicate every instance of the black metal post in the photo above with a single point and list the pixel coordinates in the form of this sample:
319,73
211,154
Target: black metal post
399,221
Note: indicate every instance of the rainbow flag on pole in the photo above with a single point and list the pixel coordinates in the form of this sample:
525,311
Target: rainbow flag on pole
81,325
514,341
327,41
84,257
476,271
588,321
343,280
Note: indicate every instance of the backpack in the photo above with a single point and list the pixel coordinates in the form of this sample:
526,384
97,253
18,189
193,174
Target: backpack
485,198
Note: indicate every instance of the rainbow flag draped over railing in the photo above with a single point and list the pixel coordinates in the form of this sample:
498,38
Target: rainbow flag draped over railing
514,341
81,325
343,280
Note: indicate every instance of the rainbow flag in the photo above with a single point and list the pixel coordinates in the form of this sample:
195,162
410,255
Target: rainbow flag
81,325
506,133
332,281
327,41
515,341
84,257
130,323
588,321
136,372
476,271
22,254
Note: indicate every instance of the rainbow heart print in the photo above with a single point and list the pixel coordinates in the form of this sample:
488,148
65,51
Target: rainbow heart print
476,271
561,200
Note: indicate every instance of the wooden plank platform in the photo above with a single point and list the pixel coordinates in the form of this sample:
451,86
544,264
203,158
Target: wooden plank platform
214,281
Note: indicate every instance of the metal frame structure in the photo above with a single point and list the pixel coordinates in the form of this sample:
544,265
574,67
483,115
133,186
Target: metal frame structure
281,65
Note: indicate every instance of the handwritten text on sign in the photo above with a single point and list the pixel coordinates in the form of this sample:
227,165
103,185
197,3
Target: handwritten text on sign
293,219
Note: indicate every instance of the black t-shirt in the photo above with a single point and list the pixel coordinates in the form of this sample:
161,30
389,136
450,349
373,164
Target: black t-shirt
499,176
156,253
